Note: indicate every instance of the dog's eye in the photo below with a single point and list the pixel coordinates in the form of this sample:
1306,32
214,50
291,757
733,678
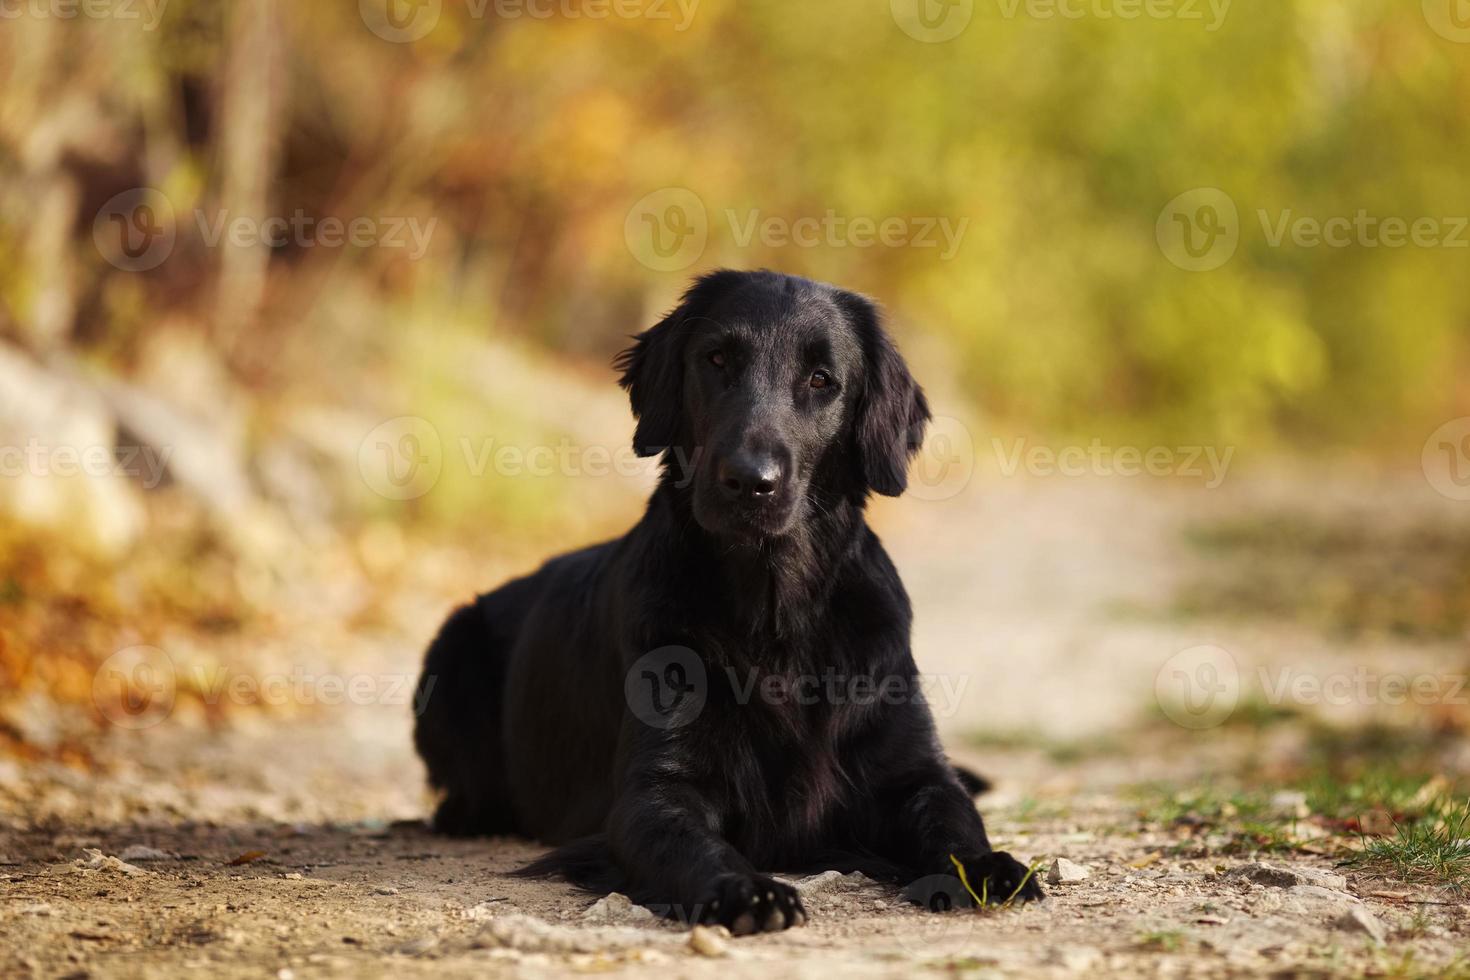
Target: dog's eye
717,358
820,379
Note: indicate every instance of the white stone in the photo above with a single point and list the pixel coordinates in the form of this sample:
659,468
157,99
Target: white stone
1361,920
708,941
1065,872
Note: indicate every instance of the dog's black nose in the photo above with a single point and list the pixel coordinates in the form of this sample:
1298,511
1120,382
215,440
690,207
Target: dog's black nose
748,475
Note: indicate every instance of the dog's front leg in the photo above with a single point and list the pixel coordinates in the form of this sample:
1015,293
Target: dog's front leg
935,825
665,835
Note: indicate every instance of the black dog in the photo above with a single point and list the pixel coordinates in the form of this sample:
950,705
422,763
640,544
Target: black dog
728,688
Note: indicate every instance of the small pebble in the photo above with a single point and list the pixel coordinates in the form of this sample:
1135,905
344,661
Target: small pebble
418,947
1064,872
1361,920
139,852
709,941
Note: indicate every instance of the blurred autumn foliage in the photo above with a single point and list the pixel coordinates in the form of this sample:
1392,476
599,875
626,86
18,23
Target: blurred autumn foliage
519,147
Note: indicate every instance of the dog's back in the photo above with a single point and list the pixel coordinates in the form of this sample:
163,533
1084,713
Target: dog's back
509,705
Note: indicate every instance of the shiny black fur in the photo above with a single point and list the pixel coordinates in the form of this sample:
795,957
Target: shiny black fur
526,727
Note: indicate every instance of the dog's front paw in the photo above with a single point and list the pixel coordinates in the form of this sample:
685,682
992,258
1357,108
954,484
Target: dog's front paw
999,878
995,878
747,903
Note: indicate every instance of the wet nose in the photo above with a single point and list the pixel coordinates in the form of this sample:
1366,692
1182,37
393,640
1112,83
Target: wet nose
749,475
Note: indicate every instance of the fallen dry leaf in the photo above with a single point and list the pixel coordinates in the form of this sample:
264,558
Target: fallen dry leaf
1377,823
1431,791
247,858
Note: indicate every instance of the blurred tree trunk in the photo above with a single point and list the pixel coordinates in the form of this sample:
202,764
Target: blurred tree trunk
44,139
251,94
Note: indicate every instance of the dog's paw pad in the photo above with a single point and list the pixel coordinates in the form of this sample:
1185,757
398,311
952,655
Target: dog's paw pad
749,903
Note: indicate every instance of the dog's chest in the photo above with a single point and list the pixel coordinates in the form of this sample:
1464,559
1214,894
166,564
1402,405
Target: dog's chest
782,755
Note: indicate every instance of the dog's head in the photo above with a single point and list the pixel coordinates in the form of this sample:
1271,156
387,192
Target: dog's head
763,388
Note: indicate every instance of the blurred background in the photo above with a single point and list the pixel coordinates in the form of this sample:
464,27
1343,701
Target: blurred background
307,312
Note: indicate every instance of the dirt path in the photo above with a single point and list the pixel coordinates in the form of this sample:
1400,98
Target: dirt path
286,845
327,891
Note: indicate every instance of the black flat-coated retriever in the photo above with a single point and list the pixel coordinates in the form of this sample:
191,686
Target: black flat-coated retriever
728,688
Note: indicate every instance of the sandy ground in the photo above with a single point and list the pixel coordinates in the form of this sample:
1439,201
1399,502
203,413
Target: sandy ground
289,845
324,891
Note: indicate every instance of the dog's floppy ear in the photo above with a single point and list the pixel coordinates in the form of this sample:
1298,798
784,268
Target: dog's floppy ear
653,376
891,409
653,368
